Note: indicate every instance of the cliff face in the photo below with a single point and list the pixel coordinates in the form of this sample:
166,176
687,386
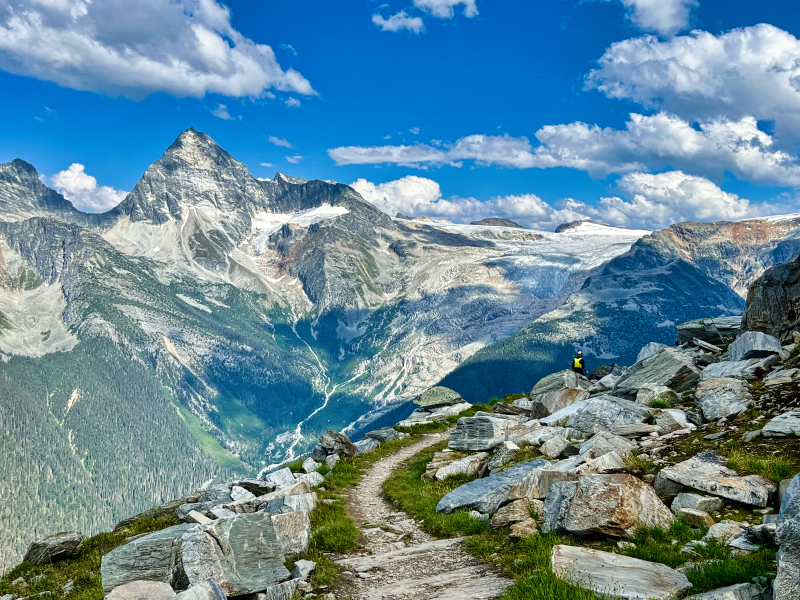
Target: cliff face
773,302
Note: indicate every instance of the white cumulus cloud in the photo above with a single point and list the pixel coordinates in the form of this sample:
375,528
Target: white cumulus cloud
221,112
294,159
82,190
650,201
182,47
749,71
666,17
445,9
276,141
399,22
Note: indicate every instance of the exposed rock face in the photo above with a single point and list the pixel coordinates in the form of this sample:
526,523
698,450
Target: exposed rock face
558,391
723,397
719,331
53,548
669,368
707,472
498,222
478,433
293,531
142,590
487,495
333,442
439,396
617,576
773,302
754,344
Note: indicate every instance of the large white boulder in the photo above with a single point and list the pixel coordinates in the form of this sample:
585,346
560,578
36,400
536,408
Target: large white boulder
723,397
754,344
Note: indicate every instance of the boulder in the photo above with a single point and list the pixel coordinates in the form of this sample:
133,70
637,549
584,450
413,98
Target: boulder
242,554
204,508
258,487
516,511
781,377
333,442
617,576
219,493
601,371
313,479
196,517
478,433
740,591
280,591
695,518
754,344
613,505
488,494
310,465
525,528
606,383
784,425
697,502
302,569
239,507
424,416
724,531
439,396
142,590
669,368
723,397
293,531
281,479
651,392
607,412
554,447
300,487
773,301
366,445
649,350
503,455
719,331
636,430
540,435
708,473
386,434
557,391
468,465
205,590
603,443
239,493
610,462
331,460
287,504
668,422
556,505
53,548
153,557
787,583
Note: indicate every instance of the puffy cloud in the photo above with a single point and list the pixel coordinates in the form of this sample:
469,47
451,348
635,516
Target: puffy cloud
750,71
276,141
647,143
267,164
652,201
82,190
414,130
182,47
221,112
666,17
445,9
294,159
292,102
399,22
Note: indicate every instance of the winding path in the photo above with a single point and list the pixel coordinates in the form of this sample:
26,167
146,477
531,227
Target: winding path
400,561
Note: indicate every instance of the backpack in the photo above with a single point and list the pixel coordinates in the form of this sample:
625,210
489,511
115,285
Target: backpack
577,363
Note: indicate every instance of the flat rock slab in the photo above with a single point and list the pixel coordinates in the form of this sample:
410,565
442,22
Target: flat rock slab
740,591
439,396
669,368
708,473
754,344
479,433
607,412
488,494
617,576
293,531
142,590
783,425
723,397
53,548
207,590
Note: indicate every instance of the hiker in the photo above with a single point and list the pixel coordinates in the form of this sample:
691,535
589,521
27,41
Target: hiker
578,364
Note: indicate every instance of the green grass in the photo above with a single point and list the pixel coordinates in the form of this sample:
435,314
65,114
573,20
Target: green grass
756,567
657,544
660,404
635,463
774,468
83,569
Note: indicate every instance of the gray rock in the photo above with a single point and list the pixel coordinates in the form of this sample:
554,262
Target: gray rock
258,487
557,391
302,569
636,430
603,443
279,591
366,445
293,531
424,416
487,495
206,590
540,435
722,398
439,396
516,511
242,554
554,447
154,557
781,377
787,583
282,478
741,369
749,436
561,417
754,344
650,392
313,479
196,517
300,487
649,350
142,590
607,412
669,368
668,422
332,460
784,425
719,331
617,576
310,465
502,456
696,502
666,488
610,462
478,433
772,301
724,531
287,504
556,505
333,442
740,591
708,473
204,508
384,435
219,493
53,548
239,493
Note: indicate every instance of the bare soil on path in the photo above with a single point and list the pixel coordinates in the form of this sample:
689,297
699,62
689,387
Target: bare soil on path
401,562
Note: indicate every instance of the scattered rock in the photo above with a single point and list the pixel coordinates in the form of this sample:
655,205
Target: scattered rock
650,392
281,479
784,425
302,569
310,465
781,377
439,396
723,397
616,575
366,445
196,517
610,462
719,331
216,494
525,528
696,518
557,391
516,511
787,583
468,465
708,473
478,433
53,548
331,460
239,493
205,590
754,344
554,447
300,487
607,412
293,531
603,443
636,430
502,456
386,434
740,591
313,479
288,504
696,502
333,442
142,590
725,531
669,368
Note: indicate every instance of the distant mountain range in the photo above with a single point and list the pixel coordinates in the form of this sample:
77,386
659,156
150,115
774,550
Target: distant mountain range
213,323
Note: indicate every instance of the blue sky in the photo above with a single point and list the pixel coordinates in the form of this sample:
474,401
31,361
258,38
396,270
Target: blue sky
472,108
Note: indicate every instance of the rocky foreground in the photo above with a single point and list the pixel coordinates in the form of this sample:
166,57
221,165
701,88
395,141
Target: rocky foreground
705,433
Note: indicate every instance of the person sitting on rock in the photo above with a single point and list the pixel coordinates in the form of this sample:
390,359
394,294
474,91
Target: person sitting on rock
578,364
